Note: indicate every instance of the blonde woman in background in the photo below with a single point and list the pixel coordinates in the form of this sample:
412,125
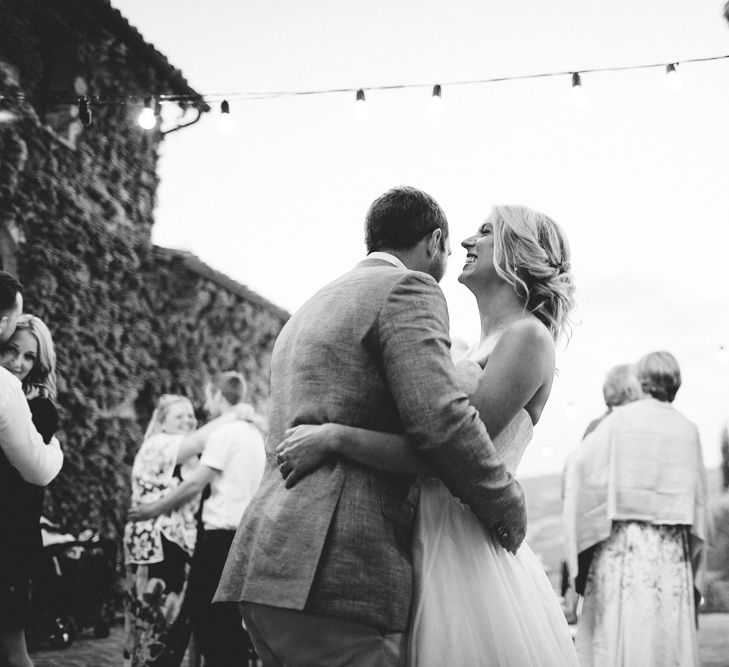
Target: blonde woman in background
29,355
157,551
476,603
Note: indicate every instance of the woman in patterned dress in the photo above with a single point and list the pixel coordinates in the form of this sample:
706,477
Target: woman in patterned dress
157,551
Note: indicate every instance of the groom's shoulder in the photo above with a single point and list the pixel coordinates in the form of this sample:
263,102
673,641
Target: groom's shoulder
404,288
381,278
391,276
369,288
408,282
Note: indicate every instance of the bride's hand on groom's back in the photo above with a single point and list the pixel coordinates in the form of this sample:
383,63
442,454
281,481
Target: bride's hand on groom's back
303,449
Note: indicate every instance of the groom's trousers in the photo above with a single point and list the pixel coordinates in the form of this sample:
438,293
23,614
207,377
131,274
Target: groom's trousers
298,639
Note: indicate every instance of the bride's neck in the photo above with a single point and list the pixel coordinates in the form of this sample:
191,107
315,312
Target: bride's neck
497,310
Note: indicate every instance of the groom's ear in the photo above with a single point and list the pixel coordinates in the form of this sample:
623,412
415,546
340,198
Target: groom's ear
435,242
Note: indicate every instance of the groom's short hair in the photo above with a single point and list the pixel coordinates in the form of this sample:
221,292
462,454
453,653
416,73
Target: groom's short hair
401,217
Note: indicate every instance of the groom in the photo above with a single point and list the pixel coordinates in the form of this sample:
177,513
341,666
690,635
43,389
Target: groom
323,570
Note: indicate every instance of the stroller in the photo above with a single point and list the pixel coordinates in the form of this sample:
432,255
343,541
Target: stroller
73,588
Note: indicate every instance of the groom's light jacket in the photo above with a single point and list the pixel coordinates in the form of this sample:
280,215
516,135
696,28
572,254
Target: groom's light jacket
369,350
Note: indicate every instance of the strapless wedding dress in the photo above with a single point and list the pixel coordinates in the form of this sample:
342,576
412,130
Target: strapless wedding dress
475,603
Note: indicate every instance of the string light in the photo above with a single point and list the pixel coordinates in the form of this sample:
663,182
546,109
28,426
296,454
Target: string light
435,108
673,79
226,120
84,111
147,120
577,95
361,110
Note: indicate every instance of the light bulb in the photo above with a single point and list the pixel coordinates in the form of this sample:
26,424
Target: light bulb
723,354
673,80
225,122
435,107
147,120
571,410
361,110
577,95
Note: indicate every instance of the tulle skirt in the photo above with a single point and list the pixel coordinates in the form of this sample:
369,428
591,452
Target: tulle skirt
476,603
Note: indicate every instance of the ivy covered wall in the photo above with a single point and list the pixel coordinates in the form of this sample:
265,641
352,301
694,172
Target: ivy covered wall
129,321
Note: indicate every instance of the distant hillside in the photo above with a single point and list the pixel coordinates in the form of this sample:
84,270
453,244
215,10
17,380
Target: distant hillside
544,508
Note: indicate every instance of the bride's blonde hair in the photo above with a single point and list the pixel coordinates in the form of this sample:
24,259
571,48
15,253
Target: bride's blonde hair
531,253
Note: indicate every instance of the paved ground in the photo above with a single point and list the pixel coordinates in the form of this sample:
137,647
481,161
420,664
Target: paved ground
89,652
714,640
84,652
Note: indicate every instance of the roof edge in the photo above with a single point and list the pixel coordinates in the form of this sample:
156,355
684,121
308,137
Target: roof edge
196,265
117,22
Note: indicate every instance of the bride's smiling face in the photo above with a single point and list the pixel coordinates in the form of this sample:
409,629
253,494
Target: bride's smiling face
479,266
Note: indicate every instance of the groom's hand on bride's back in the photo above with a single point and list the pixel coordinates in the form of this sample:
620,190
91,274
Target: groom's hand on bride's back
511,529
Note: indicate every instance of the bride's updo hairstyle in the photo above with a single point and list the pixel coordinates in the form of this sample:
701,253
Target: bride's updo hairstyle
532,254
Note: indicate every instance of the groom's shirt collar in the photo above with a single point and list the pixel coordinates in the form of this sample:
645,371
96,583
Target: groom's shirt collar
387,257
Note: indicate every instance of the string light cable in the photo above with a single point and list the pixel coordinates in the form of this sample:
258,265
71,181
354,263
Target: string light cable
668,66
149,103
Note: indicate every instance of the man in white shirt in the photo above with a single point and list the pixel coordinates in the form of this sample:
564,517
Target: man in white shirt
232,463
22,452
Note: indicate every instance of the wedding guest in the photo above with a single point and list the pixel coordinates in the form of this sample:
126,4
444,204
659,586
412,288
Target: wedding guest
157,551
30,356
232,463
25,460
637,490
620,387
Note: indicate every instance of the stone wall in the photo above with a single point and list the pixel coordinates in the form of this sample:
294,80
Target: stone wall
129,321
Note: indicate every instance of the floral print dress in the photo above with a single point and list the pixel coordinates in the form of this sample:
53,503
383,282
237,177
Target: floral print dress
156,554
639,600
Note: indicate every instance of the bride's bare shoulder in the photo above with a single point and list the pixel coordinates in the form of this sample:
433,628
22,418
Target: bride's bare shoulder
528,331
526,343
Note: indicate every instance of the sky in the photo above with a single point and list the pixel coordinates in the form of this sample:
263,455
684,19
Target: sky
637,177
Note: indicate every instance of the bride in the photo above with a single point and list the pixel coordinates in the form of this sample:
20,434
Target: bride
475,603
